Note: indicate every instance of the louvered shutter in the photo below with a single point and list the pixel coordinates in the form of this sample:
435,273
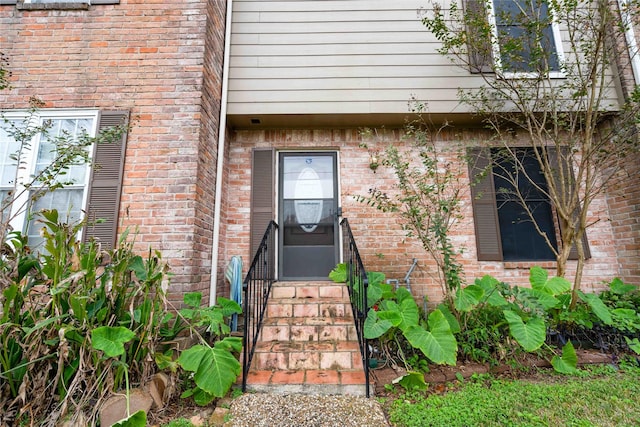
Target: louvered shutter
262,195
103,203
478,43
485,211
555,160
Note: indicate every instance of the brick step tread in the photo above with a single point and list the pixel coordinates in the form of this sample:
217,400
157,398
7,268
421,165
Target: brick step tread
300,346
292,356
308,321
293,300
307,376
309,333
307,308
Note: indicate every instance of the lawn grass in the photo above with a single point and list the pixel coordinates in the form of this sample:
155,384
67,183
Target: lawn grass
598,396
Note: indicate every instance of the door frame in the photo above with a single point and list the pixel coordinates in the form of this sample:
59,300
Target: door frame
278,204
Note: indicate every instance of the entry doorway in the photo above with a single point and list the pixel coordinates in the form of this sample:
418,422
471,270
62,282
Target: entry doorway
309,214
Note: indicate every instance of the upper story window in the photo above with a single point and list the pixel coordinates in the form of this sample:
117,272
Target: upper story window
526,38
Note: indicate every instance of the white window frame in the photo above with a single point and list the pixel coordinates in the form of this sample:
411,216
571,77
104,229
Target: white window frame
632,42
495,47
21,220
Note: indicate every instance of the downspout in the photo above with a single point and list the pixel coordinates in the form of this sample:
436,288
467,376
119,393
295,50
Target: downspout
222,126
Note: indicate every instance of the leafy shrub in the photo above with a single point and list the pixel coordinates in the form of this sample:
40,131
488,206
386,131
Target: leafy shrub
78,323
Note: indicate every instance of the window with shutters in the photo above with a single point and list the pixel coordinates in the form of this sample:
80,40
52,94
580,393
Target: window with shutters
526,38
22,164
505,230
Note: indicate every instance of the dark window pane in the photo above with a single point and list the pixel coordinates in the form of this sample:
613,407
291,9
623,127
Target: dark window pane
520,239
525,47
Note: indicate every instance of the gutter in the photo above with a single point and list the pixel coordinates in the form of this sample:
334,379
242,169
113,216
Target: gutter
222,126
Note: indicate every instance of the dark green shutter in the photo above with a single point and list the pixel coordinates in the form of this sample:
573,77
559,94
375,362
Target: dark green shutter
262,195
103,203
485,212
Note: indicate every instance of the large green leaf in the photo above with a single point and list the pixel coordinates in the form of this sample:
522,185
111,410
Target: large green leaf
374,294
530,335
453,322
339,273
618,287
553,286
489,285
567,364
468,297
375,327
137,265
537,277
544,299
111,339
138,419
634,344
215,369
598,307
438,344
375,277
413,381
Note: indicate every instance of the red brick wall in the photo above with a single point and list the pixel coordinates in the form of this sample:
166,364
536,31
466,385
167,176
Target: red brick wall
161,60
380,240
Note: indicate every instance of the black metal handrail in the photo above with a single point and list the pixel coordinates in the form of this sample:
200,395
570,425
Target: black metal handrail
257,288
357,283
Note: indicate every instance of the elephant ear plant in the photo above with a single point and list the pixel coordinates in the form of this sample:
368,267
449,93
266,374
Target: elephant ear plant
78,324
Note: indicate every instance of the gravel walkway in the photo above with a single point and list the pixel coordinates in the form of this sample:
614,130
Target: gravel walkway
298,410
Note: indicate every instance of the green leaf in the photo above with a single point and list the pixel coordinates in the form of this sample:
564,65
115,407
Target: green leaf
453,322
544,299
438,344
529,335
489,285
229,307
215,369
618,287
111,339
598,307
568,363
537,277
403,294
339,273
137,265
374,294
192,299
79,305
375,327
634,344
375,277
139,419
413,381
468,297
553,286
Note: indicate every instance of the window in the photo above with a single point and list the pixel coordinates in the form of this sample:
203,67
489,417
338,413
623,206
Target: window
504,230
82,189
526,38
519,237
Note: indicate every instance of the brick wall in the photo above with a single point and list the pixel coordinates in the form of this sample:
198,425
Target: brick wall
380,239
162,61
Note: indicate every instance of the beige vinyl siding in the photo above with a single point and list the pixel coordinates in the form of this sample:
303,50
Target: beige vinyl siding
309,57
336,56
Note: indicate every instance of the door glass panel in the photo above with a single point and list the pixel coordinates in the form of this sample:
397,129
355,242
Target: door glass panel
308,205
